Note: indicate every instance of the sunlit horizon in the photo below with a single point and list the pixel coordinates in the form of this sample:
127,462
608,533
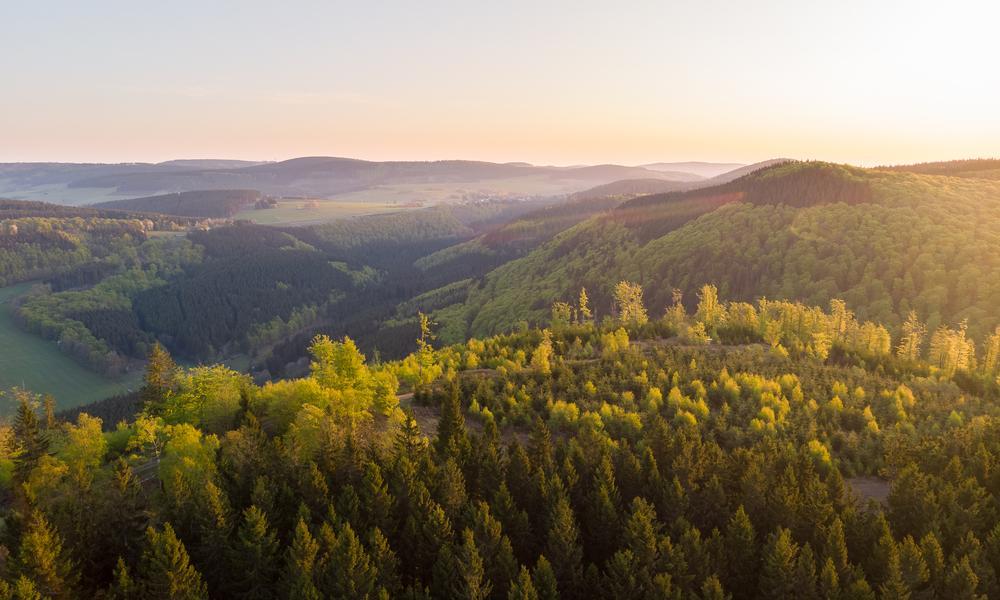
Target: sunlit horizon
555,84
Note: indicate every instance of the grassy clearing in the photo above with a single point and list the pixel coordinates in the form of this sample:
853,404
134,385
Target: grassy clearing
38,365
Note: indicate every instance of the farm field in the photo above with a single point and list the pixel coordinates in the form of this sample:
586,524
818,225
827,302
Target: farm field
312,211
37,364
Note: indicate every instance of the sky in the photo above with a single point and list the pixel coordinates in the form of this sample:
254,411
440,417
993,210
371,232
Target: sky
865,82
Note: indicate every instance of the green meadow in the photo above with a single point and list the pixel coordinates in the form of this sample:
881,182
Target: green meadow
37,364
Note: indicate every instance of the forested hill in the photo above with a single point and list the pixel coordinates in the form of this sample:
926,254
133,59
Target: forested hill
773,452
886,242
977,169
218,204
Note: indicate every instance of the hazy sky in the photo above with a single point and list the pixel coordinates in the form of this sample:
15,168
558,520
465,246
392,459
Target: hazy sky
548,82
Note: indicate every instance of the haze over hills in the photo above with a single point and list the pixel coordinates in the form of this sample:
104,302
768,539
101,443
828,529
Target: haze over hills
705,170
308,176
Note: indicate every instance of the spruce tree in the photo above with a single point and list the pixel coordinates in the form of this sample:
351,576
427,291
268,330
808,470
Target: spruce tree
544,580
451,435
42,560
123,586
563,547
254,560
522,588
27,431
777,577
158,379
165,569
829,581
298,580
740,568
386,562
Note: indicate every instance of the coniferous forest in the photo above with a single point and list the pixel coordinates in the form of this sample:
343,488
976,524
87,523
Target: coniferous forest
767,450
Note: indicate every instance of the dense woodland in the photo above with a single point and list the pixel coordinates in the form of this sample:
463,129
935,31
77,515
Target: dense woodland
704,454
886,242
217,204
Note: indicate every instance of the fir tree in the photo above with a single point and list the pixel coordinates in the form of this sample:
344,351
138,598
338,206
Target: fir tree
42,560
452,434
254,560
298,580
166,570
158,380
777,577
544,580
522,588
123,587
563,546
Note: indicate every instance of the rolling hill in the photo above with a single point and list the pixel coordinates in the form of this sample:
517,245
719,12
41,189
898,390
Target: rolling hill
886,242
306,176
201,203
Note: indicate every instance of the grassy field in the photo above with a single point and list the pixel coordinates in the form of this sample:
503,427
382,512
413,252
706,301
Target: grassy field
308,212
38,365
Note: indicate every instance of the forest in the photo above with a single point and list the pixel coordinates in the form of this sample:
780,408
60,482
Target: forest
886,242
709,454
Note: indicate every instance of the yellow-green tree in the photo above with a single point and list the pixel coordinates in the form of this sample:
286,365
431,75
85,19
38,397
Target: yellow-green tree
628,301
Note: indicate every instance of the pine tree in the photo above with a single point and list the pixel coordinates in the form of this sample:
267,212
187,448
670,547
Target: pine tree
777,578
27,432
603,520
298,580
711,589
962,582
544,579
158,379
740,567
452,435
347,570
829,581
805,574
494,548
166,570
386,561
563,546
522,588
893,584
912,564
623,577
459,571
376,501
123,587
254,560
42,560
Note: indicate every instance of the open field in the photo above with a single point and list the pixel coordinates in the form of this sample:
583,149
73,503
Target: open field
312,211
38,365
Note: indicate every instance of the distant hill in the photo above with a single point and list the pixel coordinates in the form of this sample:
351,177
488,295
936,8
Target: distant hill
307,176
886,242
976,169
210,163
631,187
201,203
701,170
626,188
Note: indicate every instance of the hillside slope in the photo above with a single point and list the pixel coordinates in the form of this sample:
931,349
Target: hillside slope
202,203
885,242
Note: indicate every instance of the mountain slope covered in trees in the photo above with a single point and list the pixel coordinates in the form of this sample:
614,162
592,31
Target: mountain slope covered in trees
709,455
886,242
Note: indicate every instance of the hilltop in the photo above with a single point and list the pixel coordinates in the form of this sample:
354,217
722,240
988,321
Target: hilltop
887,242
